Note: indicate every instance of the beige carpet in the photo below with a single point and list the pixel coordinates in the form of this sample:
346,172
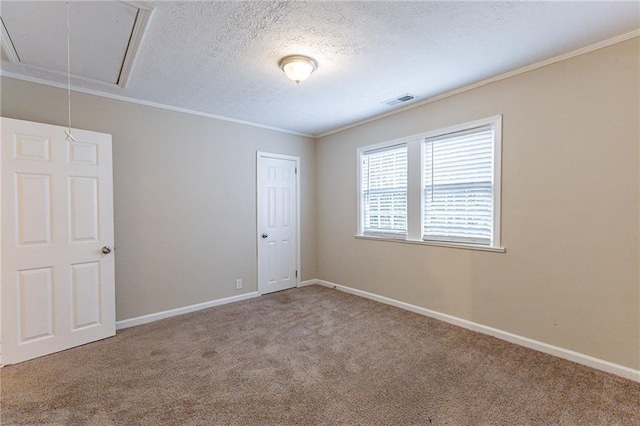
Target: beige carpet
310,356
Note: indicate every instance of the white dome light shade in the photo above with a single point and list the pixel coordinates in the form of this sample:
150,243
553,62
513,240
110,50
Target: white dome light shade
298,68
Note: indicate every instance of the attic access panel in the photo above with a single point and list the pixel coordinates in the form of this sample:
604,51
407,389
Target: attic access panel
104,37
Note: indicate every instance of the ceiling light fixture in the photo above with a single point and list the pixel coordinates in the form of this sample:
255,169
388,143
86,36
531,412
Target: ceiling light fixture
297,67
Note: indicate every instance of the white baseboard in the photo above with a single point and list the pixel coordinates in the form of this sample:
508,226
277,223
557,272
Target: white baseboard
589,361
184,310
307,282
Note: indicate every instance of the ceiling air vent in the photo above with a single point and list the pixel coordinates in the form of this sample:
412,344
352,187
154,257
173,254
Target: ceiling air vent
400,99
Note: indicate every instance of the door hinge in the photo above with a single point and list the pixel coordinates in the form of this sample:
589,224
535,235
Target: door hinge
295,170
296,274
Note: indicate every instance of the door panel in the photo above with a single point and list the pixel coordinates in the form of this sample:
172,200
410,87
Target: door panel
57,213
83,208
83,153
85,283
36,304
277,223
33,148
33,193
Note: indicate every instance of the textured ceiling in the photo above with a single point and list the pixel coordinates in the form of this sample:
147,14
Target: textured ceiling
221,57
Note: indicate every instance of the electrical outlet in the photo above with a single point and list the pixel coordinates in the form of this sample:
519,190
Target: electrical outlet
238,283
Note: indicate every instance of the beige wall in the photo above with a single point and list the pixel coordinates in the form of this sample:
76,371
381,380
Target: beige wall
185,205
570,213
184,189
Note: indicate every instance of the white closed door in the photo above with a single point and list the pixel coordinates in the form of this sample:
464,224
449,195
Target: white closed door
277,222
57,259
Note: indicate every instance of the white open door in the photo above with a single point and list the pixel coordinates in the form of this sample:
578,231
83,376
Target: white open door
278,222
57,267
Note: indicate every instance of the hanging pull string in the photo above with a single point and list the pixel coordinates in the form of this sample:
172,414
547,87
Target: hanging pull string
68,131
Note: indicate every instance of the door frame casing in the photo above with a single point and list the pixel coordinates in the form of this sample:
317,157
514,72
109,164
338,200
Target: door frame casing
263,154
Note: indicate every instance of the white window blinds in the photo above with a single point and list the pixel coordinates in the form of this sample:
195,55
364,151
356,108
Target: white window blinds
384,190
458,187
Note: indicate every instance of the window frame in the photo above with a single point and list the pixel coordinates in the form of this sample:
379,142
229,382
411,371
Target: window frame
361,221
415,190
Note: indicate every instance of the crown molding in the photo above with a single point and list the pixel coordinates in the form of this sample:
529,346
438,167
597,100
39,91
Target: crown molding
146,103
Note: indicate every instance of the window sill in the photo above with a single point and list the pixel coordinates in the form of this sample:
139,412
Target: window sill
432,243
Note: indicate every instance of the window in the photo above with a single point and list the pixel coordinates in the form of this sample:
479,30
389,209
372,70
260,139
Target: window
384,190
440,187
458,187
